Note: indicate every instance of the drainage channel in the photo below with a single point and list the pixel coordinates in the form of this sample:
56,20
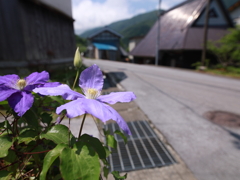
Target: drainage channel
143,150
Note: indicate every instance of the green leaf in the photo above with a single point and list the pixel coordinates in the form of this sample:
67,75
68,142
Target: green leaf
50,157
31,119
5,144
11,157
111,141
81,162
108,152
2,125
58,134
106,132
96,144
46,118
5,175
3,103
120,133
117,176
105,172
27,135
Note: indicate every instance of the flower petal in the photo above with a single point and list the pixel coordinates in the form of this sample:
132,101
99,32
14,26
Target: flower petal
96,109
115,97
9,80
21,102
51,84
37,78
62,90
91,78
116,117
104,113
74,108
6,92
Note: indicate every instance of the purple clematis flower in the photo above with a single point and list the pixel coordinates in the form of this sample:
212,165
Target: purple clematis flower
18,91
92,102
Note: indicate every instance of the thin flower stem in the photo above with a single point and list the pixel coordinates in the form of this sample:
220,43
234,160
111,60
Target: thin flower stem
75,79
24,165
97,124
16,127
4,167
69,132
84,117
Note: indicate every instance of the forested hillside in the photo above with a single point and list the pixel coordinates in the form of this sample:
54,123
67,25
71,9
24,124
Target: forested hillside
136,26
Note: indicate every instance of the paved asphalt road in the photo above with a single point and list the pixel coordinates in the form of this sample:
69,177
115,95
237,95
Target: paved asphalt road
175,101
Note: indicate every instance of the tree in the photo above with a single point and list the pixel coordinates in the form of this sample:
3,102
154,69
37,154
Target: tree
227,49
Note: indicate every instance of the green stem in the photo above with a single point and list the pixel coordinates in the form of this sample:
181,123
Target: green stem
75,79
69,132
84,117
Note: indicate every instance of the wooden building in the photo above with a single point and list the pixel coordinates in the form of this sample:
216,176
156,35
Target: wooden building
105,44
181,34
35,32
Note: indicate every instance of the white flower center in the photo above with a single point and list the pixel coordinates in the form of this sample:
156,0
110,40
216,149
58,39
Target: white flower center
21,84
91,93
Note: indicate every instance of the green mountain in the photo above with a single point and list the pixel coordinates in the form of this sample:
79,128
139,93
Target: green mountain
136,26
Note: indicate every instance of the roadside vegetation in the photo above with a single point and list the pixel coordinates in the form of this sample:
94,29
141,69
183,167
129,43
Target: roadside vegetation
227,53
81,43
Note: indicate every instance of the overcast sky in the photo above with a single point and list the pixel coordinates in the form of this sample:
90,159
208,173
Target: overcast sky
94,13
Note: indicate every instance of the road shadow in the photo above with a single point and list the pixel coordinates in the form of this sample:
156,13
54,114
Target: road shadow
113,78
236,142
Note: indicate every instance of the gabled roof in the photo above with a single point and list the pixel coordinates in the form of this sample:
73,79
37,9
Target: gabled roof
104,29
177,31
229,3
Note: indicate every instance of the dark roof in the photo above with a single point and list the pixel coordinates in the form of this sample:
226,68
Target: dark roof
229,3
106,28
177,32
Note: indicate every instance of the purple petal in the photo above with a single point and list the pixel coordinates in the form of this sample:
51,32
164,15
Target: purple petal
115,97
58,120
37,78
62,90
21,102
116,117
96,109
51,84
91,78
74,108
104,113
9,80
6,92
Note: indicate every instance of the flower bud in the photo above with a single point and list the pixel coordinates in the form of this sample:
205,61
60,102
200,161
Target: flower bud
77,59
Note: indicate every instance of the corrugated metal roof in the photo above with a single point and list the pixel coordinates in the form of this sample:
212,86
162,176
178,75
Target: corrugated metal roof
106,28
176,32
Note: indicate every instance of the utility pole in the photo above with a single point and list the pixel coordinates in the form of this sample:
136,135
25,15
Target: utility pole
205,34
158,33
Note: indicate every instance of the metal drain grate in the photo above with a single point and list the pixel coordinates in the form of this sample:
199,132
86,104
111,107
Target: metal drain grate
143,150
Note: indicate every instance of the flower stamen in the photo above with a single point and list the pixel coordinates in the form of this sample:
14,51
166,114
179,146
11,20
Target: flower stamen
21,84
91,93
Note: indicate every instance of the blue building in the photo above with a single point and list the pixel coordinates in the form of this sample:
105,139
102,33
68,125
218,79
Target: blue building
105,44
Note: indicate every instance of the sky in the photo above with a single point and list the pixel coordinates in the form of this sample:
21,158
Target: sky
89,14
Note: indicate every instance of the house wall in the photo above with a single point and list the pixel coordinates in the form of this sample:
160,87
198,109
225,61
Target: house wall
64,6
11,35
109,38
33,34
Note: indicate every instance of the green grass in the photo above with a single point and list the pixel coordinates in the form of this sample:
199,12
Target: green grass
233,72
